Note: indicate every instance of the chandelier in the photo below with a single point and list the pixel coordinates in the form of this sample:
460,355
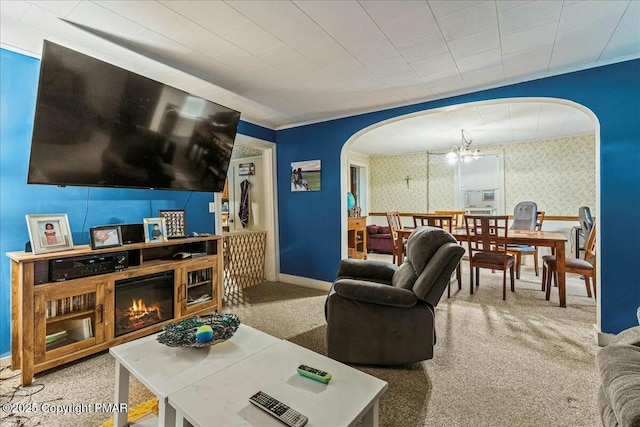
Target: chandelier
462,153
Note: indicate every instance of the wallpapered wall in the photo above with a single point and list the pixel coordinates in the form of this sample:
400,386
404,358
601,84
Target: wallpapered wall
558,174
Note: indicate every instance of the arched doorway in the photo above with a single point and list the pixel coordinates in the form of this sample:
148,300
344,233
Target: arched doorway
397,123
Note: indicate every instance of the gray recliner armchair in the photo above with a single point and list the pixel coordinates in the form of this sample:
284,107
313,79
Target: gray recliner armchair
381,314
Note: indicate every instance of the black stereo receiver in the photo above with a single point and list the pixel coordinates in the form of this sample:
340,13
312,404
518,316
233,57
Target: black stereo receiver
81,266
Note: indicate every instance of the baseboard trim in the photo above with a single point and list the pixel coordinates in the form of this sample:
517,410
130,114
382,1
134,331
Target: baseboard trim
5,361
305,281
602,338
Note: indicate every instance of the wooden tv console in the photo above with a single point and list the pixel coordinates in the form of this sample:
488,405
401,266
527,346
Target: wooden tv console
42,310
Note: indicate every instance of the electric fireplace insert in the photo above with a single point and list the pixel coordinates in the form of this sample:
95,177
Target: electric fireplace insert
143,301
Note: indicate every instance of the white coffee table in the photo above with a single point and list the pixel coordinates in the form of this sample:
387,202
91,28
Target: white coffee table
221,399
165,370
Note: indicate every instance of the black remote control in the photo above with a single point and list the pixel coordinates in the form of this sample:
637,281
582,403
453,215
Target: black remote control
287,415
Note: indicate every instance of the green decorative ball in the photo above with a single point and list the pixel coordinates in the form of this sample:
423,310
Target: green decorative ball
204,333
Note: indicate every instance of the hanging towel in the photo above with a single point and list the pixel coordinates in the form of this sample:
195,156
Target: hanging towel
244,203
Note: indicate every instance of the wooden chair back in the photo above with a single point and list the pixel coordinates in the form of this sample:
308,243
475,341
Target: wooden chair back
590,246
458,217
441,221
487,233
539,220
393,219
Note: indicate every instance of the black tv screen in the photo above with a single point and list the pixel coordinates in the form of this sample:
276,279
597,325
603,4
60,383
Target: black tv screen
100,125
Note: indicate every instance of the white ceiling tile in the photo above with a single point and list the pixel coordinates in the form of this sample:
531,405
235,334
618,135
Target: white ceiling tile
502,5
300,32
13,9
22,37
413,93
48,22
434,64
373,51
151,15
488,59
488,75
468,21
529,39
159,43
326,53
631,15
446,77
239,59
203,41
345,70
401,80
529,15
361,83
411,26
351,33
216,16
390,67
59,7
423,48
285,58
624,43
591,12
527,62
581,45
267,13
95,16
446,7
385,10
342,11
250,37
474,44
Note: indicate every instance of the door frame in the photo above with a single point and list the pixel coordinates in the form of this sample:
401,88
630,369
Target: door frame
269,162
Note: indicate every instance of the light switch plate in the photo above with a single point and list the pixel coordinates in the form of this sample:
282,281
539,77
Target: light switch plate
212,207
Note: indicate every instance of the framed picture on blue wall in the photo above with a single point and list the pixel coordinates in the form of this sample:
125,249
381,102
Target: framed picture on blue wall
305,175
49,233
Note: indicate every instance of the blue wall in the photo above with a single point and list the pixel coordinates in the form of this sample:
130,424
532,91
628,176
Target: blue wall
86,207
310,222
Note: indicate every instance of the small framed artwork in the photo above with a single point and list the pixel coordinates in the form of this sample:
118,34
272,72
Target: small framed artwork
155,230
49,233
305,175
106,236
175,223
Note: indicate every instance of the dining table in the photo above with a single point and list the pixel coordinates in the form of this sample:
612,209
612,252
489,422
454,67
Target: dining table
551,239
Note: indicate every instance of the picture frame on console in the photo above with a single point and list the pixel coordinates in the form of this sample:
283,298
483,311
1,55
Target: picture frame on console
175,222
155,230
49,233
106,236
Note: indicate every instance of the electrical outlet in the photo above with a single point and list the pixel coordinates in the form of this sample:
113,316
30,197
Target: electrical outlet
212,207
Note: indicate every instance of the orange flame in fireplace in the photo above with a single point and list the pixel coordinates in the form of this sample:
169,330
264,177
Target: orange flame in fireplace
139,308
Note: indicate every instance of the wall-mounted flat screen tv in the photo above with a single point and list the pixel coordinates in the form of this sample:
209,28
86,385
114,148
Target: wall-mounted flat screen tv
100,125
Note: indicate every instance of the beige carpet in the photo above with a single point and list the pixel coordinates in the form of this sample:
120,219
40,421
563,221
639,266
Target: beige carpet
520,362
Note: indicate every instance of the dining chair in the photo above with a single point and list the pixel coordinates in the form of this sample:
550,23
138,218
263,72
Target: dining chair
585,267
458,217
393,218
519,250
446,223
487,239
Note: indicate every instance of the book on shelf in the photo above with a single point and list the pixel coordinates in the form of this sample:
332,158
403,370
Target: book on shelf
56,336
79,329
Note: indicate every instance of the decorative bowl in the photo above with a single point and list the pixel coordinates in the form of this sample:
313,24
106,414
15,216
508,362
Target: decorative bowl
183,333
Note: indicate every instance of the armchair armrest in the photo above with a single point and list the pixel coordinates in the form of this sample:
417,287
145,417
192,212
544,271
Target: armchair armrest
375,293
378,271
